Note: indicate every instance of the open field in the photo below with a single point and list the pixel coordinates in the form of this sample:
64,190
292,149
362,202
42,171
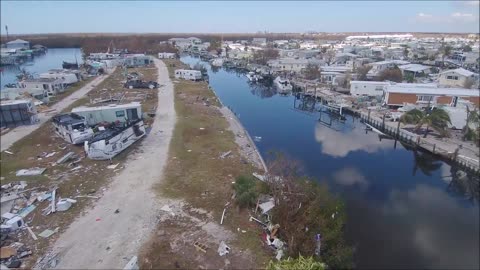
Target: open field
199,183
81,177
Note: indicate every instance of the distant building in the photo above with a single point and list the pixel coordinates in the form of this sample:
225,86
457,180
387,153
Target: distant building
375,88
18,44
288,64
166,55
259,41
51,85
137,60
188,74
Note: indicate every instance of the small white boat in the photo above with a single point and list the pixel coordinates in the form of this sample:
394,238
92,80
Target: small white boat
72,128
283,85
111,141
217,62
253,77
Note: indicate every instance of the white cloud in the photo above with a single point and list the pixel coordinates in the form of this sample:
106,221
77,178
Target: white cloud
472,3
453,18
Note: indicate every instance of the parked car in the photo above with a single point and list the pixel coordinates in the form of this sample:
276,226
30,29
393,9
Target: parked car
130,84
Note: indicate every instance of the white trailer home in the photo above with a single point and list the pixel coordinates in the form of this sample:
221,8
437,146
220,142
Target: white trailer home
111,113
166,55
17,112
72,128
188,74
137,60
53,86
66,77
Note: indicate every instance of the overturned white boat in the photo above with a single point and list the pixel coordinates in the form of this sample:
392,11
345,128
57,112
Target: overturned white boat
283,85
72,128
109,142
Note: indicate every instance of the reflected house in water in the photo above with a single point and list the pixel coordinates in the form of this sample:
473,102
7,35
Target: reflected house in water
262,91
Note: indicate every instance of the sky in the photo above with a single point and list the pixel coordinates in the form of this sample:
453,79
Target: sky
25,17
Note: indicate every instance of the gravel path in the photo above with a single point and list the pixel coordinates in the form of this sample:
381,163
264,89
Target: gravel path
19,132
102,239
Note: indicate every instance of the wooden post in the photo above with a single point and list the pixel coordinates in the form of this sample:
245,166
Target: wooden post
368,119
383,123
398,130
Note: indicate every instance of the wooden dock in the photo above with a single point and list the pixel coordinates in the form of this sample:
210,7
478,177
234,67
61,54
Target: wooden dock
445,150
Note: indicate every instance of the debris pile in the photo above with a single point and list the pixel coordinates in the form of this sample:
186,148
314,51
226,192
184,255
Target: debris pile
17,204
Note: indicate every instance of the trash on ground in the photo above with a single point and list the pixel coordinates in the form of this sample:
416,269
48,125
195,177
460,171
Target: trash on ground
66,157
223,249
226,154
50,154
47,233
7,252
112,167
64,204
200,247
8,152
30,172
27,210
132,264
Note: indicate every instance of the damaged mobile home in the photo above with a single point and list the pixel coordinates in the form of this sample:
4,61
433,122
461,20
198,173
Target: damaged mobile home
110,141
72,128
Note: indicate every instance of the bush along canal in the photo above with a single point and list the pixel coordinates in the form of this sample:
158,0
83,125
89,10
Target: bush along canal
404,208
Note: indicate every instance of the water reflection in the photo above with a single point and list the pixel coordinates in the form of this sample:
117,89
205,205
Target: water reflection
262,91
431,215
403,210
350,176
339,139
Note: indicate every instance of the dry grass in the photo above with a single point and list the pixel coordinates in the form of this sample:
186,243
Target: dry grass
70,90
197,175
90,179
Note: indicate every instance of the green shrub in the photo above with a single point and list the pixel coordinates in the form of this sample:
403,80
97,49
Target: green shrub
245,188
299,263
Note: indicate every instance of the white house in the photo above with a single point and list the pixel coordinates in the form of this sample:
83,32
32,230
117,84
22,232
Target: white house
415,70
457,77
17,112
137,60
259,41
110,113
188,74
378,67
18,44
288,64
166,55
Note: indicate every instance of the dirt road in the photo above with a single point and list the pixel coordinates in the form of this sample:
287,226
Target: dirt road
18,133
102,239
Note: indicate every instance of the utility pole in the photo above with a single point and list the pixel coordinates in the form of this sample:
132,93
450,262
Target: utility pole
6,30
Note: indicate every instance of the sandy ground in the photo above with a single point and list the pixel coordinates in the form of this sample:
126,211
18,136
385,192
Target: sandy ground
102,239
243,139
19,132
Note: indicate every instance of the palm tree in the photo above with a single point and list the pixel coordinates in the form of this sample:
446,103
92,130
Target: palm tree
471,129
445,50
438,119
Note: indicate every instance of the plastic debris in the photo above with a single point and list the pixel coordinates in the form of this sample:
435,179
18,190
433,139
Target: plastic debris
47,233
132,264
223,249
30,172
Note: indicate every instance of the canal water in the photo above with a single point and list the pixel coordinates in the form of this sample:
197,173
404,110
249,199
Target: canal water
52,59
404,208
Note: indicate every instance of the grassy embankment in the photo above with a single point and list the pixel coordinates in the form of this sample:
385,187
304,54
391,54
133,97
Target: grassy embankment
89,179
195,173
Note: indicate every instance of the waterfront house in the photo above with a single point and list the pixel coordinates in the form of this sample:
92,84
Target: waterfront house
52,85
375,88
137,60
110,113
457,77
288,64
18,44
17,112
398,95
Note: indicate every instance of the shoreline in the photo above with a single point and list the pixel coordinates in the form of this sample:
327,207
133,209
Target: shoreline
243,138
